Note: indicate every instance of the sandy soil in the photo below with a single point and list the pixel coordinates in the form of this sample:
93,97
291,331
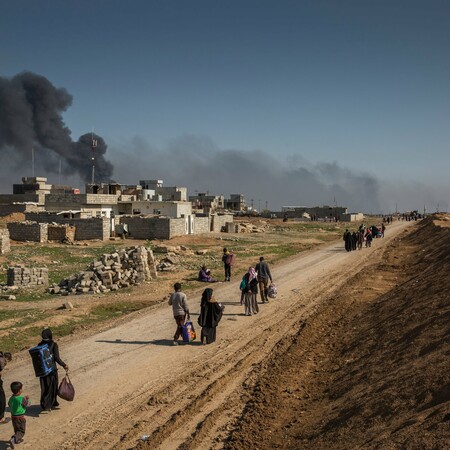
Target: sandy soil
131,381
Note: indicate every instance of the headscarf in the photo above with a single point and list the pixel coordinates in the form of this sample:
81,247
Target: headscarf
252,274
47,335
206,296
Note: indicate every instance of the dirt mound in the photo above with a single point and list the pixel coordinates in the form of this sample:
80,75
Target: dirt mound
370,369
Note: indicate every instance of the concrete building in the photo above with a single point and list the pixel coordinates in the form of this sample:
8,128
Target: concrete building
352,217
89,205
236,202
152,188
207,203
148,207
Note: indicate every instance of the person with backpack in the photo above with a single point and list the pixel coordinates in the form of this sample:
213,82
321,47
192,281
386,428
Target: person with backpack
49,383
228,260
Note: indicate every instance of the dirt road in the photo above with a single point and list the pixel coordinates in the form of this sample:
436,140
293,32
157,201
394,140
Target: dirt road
131,381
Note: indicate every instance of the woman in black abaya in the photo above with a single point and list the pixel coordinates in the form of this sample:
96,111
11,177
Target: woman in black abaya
49,383
210,315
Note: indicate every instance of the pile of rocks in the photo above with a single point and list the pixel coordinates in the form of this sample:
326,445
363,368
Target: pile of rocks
247,227
26,277
121,269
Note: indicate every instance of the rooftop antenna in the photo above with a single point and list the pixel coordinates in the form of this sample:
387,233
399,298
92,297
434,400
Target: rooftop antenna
93,147
32,161
59,174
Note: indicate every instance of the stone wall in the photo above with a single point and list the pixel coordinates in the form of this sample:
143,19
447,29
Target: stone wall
85,229
27,277
28,231
61,232
4,242
218,221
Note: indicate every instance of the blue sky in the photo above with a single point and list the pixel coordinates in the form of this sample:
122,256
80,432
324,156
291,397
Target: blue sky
364,84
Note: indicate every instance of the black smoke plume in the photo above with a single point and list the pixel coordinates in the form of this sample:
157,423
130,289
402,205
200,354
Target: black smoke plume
31,117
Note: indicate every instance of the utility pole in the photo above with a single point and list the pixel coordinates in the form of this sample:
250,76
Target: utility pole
32,162
93,147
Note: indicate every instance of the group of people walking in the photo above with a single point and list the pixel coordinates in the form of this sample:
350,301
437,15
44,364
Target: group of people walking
256,277
210,314
18,403
362,236
211,310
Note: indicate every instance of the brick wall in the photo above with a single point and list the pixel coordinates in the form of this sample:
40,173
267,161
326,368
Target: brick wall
61,232
201,225
79,199
148,227
85,229
27,277
4,242
5,210
21,198
178,227
219,220
28,231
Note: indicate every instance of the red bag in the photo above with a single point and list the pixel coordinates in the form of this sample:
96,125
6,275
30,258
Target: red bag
66,390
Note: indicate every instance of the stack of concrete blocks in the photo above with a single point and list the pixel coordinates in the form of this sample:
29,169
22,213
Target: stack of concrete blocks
61,232
26,277
28,231
113,271
4,242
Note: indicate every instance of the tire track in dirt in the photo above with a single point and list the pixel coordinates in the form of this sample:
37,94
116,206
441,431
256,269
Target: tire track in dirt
190,397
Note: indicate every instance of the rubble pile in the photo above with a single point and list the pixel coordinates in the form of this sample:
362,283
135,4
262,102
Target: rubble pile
121,269
247,227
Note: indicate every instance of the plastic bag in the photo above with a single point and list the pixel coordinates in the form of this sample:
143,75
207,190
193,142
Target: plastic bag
188,333
66,390
272,290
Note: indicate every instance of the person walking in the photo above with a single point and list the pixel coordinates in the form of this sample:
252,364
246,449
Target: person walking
264,275
228,260
49,383
180,309
18,405
210,314
5,357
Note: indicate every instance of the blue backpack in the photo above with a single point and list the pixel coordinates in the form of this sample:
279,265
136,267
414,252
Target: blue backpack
42,359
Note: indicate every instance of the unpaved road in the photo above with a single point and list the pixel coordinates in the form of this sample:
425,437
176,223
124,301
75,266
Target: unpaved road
130,381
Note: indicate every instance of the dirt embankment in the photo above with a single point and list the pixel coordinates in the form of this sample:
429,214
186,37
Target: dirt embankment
371,368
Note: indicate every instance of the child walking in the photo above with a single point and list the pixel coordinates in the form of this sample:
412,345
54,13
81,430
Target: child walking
18,405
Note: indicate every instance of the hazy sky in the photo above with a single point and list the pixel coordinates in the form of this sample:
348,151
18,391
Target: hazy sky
334,99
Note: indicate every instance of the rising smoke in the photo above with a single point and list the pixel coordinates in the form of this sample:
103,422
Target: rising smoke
31,117
199,164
